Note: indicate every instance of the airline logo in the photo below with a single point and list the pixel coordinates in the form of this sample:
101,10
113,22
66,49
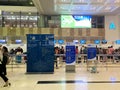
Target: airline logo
112,26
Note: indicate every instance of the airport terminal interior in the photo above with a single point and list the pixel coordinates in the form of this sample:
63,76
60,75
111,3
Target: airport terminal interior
61,44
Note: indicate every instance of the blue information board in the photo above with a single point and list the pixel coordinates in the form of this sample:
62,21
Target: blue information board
70,55
40,53
91,52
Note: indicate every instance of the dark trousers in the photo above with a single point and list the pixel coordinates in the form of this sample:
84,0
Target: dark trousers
2,74
56,64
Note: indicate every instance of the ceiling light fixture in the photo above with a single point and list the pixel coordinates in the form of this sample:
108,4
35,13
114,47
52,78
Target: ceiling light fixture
31,3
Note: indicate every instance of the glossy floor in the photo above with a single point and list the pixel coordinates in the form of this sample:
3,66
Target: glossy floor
108,78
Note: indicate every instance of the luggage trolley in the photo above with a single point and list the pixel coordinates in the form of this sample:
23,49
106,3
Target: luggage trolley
92,66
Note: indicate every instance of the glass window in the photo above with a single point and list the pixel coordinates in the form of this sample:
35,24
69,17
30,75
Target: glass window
24,21
33,21
10,21
20,19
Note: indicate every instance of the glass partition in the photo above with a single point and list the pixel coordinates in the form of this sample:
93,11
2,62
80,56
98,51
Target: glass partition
20,19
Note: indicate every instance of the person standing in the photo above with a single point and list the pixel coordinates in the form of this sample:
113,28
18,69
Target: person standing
56,56
3,63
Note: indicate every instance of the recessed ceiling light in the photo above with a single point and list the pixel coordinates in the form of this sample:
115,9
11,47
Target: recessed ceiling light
31,3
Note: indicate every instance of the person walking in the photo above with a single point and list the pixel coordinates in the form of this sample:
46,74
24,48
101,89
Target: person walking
3,63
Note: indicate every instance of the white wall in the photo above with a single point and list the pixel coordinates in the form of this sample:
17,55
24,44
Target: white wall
112,35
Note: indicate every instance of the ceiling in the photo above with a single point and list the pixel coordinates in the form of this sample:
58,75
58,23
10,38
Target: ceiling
16,2
17,6
82,7
18,9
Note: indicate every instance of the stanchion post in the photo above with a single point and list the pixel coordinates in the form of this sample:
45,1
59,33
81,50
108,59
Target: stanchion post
12,63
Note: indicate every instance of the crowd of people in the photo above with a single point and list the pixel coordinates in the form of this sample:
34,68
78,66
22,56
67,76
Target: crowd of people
103,53
16,51
58,50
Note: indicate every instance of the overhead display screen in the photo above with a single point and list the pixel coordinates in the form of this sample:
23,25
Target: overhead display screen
60,41
18,41
82,41
2,41
96,41
75,21
104,42
117,41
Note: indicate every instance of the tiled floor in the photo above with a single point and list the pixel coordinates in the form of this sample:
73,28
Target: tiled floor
96,81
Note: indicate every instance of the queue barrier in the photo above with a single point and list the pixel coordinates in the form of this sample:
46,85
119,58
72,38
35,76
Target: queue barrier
19,58
105,60
97,55
86,54
16,60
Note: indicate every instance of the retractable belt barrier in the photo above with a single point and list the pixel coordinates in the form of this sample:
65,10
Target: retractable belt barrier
86,55
63,55
76,55
12,55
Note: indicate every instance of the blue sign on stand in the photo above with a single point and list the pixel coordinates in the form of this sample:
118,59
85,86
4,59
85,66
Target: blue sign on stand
70,55
91,52
70,58
40,53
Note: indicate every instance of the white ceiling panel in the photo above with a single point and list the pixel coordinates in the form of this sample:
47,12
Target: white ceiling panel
80,1
62,7
98,1
78,6
62,1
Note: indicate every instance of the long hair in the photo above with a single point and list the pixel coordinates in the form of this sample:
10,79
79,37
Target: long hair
5,50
